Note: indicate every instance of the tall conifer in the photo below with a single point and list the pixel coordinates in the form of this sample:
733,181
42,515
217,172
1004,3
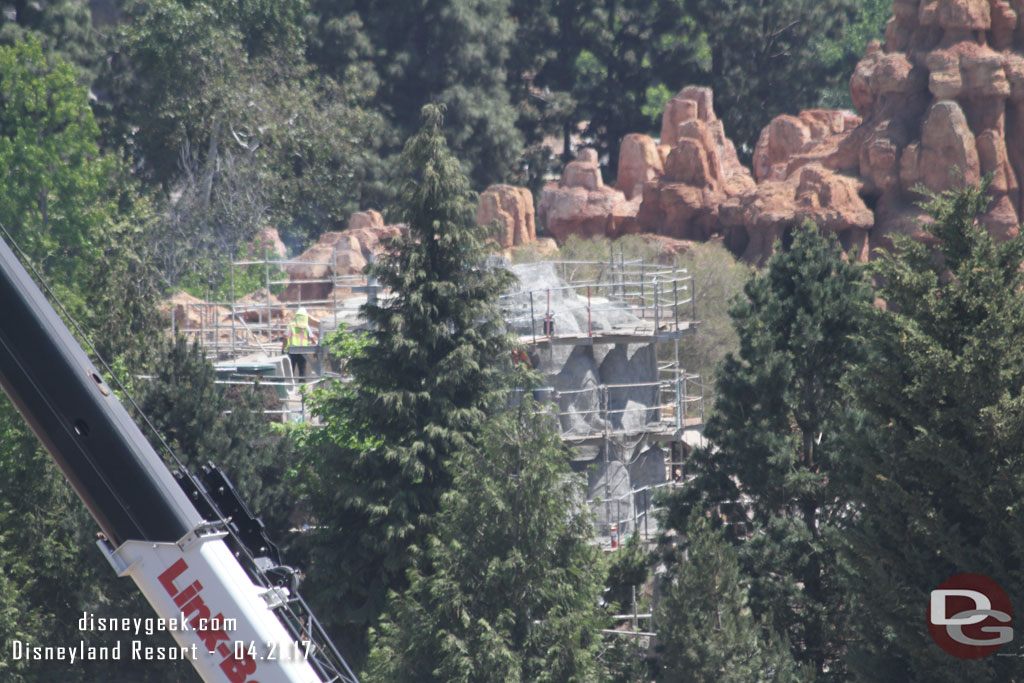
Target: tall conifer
507,588
706,630
941,445
778,412
423,387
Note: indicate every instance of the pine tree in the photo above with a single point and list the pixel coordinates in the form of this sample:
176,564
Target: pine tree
202,422
447,52
766,58
779,409
506,588
423,386
64,28
706,630
636,52
939,449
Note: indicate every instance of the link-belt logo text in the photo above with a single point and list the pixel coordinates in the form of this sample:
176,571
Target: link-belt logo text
190,602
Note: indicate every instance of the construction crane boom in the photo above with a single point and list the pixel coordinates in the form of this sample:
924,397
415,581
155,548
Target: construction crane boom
242,622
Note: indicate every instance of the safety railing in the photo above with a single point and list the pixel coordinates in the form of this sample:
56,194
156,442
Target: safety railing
664,405
252,324
656,300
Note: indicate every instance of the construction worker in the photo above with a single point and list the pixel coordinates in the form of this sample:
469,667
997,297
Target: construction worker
298,334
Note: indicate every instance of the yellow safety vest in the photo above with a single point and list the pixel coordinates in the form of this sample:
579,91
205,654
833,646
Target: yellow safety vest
298,335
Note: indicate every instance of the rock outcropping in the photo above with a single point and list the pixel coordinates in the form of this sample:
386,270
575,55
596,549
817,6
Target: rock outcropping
581,204
348,251
938,100
512,208
692,185
935,105
701,171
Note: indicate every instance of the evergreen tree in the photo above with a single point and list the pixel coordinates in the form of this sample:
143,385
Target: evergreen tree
706,629
64,29
551,37
629,569
778,412
636,51
447,52
766,58
506,588
201,422
424,385
939,450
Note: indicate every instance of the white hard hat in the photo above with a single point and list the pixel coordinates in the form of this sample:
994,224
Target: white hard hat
302,311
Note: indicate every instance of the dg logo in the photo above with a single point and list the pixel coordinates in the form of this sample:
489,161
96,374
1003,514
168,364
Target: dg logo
970,616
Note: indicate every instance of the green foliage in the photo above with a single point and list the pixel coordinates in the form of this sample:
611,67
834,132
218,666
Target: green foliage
718,279
122,288
706,630
601,66
938,452
630,568
62,27
448,52
506,588
655,99
51,572
54,196
422,389
238,129
779,410
766,58
320,478
867,23
216,284
201,422
635,45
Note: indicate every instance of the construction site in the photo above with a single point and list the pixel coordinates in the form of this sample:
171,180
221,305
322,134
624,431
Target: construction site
605,335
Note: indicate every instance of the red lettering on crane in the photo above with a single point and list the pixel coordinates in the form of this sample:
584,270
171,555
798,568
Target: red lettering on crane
170,574
237,670
187,594
211,636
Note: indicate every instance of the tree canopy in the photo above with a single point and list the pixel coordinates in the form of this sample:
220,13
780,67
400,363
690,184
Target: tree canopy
425,382
507,586
938,449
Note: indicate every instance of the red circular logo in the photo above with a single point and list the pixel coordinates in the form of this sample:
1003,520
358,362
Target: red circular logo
970,616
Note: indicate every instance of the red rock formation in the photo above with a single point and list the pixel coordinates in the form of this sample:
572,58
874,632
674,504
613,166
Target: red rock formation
789,142
512,208
268,240
936,104
581,204
259,306
701,171
639,162
347,251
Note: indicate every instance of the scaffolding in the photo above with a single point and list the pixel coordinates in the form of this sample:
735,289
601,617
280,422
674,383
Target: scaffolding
637,303
255,323
613,302
243,335
660,298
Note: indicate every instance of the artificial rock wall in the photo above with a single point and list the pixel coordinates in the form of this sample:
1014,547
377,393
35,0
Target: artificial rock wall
939,104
